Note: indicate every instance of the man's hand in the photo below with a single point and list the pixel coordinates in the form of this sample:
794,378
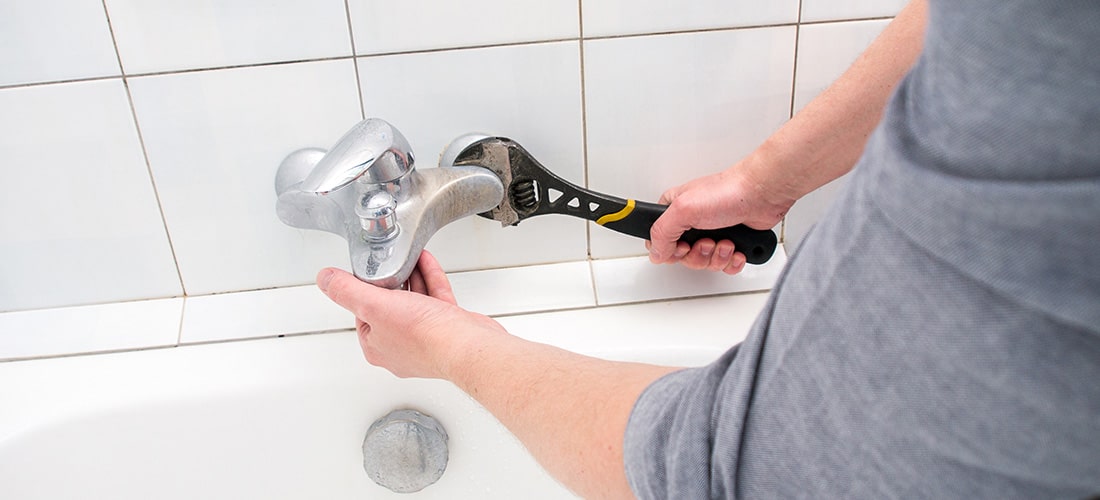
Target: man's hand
415,333
714,201
546,396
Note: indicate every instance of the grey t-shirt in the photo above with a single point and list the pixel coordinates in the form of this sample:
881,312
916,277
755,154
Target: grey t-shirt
938,333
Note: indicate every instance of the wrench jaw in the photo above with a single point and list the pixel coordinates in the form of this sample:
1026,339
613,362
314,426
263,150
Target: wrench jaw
491,153
527,184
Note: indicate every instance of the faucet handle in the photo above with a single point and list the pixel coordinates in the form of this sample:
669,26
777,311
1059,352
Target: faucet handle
373,150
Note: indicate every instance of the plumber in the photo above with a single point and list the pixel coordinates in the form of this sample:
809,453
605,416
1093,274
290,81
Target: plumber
936,335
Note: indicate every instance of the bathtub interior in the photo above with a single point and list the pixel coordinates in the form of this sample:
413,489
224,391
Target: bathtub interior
285,417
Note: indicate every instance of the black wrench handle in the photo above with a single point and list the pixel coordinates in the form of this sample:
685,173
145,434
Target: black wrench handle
635,218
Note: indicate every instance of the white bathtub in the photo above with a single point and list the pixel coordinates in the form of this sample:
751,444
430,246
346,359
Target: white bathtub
285,417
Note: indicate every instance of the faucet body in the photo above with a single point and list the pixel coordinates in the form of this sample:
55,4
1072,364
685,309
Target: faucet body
367,189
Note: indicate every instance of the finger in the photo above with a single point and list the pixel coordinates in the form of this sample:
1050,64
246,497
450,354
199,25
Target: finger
723,253
416,282
736,265
435,280
348,292
682,249
699,256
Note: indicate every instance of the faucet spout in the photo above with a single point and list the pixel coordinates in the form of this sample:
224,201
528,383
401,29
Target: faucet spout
373,151
367,190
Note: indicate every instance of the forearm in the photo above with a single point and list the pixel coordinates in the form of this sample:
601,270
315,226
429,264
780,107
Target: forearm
569,410
824,140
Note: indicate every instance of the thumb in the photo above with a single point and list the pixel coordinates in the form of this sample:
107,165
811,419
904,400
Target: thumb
349,292
666,231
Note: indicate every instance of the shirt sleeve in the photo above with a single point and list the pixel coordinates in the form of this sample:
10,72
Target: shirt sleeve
669,441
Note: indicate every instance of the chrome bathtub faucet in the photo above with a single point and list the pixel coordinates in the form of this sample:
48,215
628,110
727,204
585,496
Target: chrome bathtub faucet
367,190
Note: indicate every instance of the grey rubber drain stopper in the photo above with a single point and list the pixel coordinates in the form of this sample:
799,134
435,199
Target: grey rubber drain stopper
405,451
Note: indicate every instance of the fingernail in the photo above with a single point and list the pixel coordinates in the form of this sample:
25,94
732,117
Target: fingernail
324,279
682,252
724,253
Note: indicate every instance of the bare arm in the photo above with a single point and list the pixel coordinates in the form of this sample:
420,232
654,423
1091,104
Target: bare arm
822,142
569,410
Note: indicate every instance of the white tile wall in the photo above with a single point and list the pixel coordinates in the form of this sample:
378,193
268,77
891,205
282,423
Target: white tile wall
662,110
52,40
166,35
78,217
384,27
210,96
215,140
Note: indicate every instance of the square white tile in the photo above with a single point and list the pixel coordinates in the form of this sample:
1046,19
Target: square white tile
79,221
262,313
386,27
54,40
87,329
825,51
166,35
635,279
530,93
826,10
623,17
525,289
215,140
665,109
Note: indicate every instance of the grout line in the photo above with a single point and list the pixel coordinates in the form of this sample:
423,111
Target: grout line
688,31
735,28
97,304
237,66
183,314
592,278
794,89
632,303
58,82
584,130
355,61
87,353
470,47
794,68
268,337
144,150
